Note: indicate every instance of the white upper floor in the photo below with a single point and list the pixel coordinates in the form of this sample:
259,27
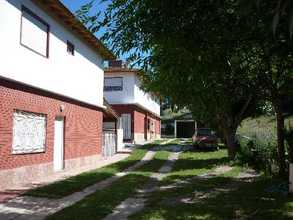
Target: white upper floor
124,87
38,48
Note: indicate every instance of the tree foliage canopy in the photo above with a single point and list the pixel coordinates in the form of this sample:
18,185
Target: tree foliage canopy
216,57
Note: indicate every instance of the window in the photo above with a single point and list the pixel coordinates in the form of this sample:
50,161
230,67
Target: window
113,84
34,33
70,48
29,132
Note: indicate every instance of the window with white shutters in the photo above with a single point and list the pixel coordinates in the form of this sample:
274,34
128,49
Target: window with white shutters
34,33
29,132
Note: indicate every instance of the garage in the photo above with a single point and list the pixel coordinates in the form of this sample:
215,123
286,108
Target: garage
184,129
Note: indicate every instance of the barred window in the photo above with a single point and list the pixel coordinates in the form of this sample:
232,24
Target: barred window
29,132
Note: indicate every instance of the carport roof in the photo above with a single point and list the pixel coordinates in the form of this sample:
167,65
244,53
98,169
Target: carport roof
184,116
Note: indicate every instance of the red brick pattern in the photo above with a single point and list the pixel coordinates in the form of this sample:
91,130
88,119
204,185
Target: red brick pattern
139,118
83,124
157,126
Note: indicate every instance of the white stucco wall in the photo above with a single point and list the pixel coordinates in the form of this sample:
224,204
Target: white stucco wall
145,99
131,93
126,96
80,76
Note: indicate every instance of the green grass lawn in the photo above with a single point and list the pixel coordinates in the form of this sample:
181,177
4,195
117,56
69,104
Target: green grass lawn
249,201
195,163
73,184
185,196
102,203
222,197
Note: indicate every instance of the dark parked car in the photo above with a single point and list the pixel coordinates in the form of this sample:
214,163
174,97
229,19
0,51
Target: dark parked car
205,138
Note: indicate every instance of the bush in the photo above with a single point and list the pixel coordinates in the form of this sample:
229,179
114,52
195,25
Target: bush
260,154
258,142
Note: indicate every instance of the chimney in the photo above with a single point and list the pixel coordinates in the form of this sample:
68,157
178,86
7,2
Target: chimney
115,63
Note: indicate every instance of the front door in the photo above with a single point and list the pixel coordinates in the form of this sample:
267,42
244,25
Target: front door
59,144
126,126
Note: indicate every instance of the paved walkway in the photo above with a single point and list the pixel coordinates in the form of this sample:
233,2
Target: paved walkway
135,204
33,208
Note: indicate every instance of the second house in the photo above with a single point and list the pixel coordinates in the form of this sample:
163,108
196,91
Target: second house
140,111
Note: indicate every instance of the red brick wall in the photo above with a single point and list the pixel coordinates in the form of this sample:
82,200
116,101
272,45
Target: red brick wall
83,124
138,117
157,124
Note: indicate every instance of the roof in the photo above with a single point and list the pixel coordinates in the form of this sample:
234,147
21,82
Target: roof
121,70
56,9
109,111
183,116
145,109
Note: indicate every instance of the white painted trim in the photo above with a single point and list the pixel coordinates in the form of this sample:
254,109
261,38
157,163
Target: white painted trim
175,128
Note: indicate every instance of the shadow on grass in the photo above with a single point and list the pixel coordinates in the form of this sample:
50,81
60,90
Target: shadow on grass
76,183
94,206
219,198
103,202
190,163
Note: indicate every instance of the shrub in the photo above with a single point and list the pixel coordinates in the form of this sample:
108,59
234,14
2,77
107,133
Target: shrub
258,151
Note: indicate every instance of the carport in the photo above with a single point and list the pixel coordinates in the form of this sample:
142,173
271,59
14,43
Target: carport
184,128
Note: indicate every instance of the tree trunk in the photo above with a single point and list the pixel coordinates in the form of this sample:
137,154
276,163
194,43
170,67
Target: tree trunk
231,143
280,139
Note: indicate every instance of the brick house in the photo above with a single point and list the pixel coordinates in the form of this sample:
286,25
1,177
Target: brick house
140,111
51,91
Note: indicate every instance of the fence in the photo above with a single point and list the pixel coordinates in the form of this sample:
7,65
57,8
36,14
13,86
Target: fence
109,143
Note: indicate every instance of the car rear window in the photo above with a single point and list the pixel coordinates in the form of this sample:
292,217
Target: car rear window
204,132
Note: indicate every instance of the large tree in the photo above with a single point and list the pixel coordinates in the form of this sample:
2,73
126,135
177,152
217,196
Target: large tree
200,53
191,57
272,52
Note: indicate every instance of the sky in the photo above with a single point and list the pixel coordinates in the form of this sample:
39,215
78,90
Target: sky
74,5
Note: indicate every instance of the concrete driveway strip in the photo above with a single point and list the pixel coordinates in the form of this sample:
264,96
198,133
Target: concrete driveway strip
135,204
33,208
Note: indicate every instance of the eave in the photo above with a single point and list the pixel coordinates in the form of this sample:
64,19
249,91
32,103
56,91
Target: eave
57,10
